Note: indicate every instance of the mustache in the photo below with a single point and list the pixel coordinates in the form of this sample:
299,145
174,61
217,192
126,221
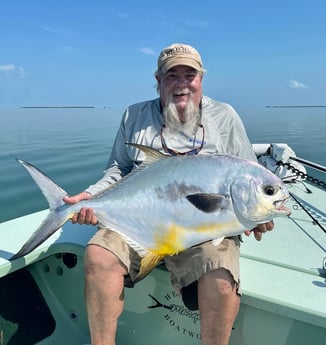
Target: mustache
182,92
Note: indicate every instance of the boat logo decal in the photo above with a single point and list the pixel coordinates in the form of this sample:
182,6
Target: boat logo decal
178,317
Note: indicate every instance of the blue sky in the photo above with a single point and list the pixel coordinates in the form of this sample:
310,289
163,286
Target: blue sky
103,53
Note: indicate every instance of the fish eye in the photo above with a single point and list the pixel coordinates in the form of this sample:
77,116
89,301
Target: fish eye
270,190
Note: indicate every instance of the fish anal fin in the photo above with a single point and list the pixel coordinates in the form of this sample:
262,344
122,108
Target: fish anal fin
208,202
148,263
169,242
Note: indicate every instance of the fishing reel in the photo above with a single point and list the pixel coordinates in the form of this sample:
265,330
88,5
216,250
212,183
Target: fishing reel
280,159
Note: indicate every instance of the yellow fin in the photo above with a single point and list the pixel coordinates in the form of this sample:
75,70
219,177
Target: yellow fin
148,263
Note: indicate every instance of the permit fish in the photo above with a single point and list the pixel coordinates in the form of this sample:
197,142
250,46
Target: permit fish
169,204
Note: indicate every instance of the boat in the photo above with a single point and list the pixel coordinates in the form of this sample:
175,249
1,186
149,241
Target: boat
283,278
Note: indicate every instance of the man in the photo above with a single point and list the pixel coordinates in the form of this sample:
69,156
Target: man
180,121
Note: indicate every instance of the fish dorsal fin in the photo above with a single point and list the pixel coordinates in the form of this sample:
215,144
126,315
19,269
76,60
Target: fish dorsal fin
208,202
152,155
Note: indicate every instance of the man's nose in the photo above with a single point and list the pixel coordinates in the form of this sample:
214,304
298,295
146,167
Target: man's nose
182,81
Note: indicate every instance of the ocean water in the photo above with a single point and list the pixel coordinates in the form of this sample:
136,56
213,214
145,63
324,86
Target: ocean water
72,146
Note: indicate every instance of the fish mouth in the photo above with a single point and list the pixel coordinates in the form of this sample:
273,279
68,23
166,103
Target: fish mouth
279,205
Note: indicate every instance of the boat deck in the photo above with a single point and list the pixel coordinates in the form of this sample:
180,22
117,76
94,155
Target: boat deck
288,266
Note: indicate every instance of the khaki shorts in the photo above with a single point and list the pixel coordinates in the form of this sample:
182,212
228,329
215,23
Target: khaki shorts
185,268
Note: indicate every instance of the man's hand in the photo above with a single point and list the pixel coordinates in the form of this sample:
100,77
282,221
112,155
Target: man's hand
85,215
260,229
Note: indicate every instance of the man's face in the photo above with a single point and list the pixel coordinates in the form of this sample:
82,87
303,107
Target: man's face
179,85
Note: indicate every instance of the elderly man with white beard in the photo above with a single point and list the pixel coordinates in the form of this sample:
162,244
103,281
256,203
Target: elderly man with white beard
181,121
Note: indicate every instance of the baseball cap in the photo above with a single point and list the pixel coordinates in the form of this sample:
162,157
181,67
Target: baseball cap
179,54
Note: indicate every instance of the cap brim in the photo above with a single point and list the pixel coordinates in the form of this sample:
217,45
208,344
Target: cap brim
181,61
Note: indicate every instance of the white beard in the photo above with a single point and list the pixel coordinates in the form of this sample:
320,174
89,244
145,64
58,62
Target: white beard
186,125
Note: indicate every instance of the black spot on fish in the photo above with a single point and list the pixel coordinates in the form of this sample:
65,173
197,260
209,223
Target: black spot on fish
174,191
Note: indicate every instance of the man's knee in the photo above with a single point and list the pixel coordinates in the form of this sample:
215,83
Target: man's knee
98,260
225,281
220,280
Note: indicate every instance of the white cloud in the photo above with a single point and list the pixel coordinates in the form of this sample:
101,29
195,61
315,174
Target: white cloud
57,30
294,84
197,23
7,68
11,69
66,49
21,72
123,15
49,29
148,51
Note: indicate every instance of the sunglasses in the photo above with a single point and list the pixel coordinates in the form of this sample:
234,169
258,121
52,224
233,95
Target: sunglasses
173,152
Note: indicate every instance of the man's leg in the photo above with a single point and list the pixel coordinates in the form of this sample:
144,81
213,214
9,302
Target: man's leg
104,282
218,305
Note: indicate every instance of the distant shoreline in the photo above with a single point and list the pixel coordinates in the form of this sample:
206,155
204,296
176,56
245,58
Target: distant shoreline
60,107
295,106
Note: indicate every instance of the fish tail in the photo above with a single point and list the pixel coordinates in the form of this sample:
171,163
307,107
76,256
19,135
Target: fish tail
54,195
48,227
52,192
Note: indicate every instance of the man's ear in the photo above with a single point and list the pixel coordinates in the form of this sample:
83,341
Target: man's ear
158,78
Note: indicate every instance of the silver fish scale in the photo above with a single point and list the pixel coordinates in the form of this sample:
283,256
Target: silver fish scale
152,200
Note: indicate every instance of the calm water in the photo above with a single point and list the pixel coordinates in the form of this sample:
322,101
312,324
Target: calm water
73,145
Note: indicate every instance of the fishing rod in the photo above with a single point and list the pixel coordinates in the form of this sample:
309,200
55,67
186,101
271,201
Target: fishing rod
309,163
307,212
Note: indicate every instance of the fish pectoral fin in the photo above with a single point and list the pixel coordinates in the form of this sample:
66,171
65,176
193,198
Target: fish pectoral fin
208,202
148,263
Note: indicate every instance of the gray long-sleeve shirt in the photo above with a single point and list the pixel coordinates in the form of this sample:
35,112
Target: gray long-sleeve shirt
142,124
